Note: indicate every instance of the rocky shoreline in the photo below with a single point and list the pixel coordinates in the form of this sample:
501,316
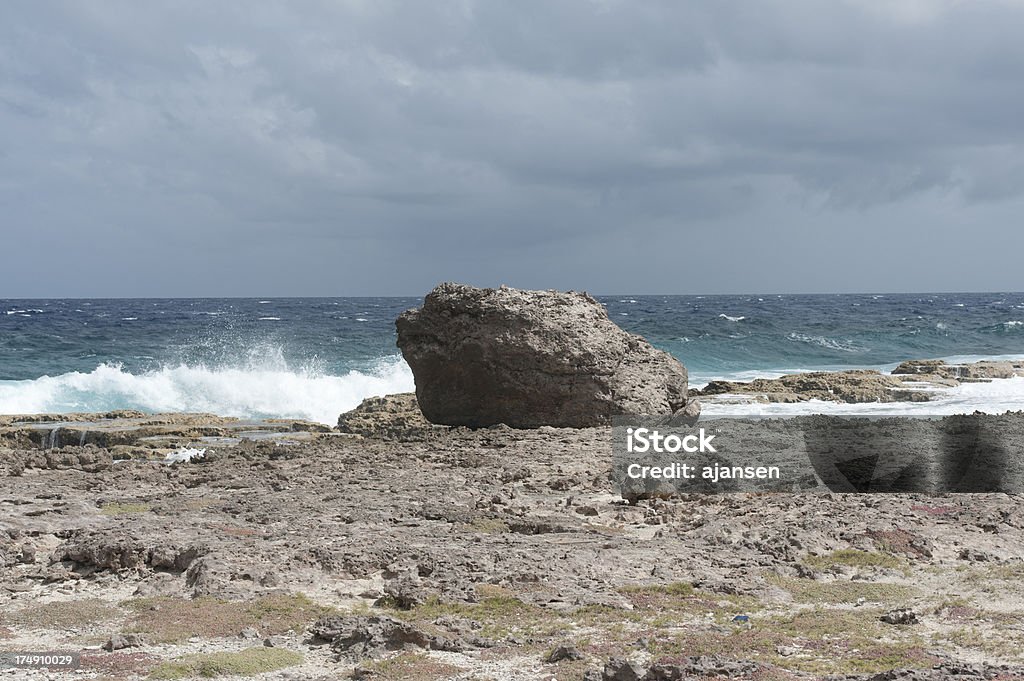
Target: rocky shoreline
912,381
405,550
396,546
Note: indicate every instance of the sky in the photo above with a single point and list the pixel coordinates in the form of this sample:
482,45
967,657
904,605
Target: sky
238,148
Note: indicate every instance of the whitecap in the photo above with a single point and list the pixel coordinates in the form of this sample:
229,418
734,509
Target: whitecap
270,319
265,388
826,342
731,319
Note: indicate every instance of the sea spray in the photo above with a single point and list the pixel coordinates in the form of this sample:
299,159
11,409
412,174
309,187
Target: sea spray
245,393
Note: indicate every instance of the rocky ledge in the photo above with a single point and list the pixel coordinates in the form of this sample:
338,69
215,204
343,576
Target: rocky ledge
912,381
492,553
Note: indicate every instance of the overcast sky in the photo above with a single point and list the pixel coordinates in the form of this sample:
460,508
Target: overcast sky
377,148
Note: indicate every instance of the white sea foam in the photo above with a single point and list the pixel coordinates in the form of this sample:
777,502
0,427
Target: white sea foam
996,397
185,455
826,342
731,319
259,391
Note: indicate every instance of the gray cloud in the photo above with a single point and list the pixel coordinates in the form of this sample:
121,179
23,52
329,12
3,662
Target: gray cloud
344,148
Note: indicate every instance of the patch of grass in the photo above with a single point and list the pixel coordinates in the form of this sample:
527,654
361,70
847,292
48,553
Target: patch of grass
59,615
666,605
855,558
828,640
500,613
247,662
898,542
812,591
410,667
682,589
167,620
1005,572
116,508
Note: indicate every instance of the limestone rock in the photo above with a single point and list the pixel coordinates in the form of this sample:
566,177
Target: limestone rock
358,636
393,417
482,357
983,370
855,386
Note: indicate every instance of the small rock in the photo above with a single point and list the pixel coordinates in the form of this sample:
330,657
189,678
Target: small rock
249,633
786,651
621,669
121,641
586,510
902,616
564,652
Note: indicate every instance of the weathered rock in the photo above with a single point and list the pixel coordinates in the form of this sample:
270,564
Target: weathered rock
900,616
395,417
854,386
114,550
532,358
702,667
122,641
982,370
621,669
360,636
563,652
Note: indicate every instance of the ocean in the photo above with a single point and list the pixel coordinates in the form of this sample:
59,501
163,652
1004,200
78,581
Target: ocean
314,358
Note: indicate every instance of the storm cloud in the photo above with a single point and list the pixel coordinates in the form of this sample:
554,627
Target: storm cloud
376,148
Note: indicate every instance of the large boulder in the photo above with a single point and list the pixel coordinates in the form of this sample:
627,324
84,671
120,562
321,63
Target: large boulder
532,358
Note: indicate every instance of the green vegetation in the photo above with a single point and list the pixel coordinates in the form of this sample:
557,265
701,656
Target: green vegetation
855,558
247,662
116,508
812,591
410,667
167,620
59,615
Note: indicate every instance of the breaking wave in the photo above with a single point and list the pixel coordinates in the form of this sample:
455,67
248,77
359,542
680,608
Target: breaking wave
267,391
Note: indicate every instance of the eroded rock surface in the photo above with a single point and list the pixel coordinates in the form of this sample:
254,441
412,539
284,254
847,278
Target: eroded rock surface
532,358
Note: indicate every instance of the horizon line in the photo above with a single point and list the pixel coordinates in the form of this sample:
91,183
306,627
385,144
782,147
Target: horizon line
599,295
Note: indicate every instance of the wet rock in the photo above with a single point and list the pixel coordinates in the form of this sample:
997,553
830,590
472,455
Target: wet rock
983,370
531,358
856,386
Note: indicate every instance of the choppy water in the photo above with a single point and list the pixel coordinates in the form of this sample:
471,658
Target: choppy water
315,357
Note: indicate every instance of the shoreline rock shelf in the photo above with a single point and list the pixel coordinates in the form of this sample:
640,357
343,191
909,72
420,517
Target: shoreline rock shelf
911,381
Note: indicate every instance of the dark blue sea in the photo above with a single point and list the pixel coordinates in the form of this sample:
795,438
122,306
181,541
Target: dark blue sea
316,357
